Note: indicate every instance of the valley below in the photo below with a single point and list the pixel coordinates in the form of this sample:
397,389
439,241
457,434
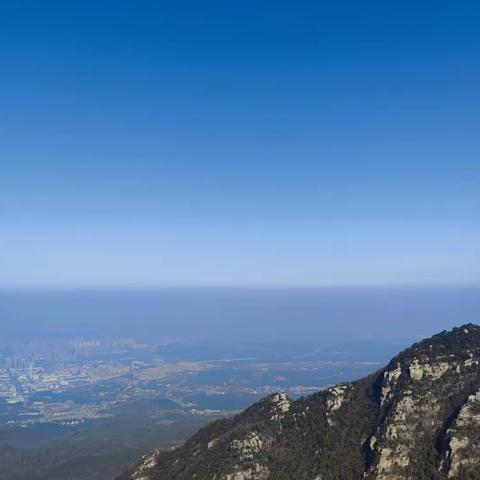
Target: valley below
92,408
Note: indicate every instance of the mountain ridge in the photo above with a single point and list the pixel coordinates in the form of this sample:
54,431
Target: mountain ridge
417,418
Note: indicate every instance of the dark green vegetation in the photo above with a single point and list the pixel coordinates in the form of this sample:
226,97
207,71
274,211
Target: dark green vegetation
97,449
416,419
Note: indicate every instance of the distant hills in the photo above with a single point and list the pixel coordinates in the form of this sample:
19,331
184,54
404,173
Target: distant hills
416,419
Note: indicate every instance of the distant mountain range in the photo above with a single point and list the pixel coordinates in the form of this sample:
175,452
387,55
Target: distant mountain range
416,419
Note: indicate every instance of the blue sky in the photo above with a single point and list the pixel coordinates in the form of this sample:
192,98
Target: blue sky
155,143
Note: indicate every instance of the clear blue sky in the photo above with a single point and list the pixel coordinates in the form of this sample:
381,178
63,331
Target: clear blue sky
154,143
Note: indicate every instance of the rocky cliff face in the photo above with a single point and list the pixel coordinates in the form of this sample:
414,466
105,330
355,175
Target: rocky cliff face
416,419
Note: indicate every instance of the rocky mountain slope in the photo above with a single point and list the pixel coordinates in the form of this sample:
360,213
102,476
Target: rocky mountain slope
416,419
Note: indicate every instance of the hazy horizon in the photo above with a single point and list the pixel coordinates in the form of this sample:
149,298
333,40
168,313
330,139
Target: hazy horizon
226,314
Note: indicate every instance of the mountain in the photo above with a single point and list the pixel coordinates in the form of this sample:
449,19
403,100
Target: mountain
416,419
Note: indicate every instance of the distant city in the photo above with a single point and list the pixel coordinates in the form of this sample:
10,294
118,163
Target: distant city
71,382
